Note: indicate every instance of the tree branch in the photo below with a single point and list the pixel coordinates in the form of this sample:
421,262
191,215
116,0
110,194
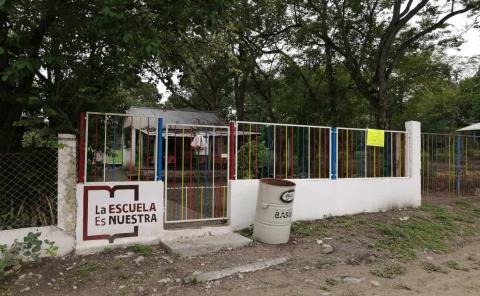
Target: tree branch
422,33
169,86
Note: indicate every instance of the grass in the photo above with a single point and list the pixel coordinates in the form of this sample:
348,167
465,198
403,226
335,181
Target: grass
455,266
304,229
331,281
85,269
429,229
431,267
389,271
403,286
247,232
144,250
326,263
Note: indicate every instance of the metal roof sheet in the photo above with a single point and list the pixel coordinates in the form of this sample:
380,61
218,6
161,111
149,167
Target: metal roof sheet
179,116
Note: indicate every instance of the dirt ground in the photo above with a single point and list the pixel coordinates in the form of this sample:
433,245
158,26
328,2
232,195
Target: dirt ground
434,250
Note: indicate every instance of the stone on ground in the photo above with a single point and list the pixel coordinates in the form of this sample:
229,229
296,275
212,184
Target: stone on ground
197,246
352,280
218,274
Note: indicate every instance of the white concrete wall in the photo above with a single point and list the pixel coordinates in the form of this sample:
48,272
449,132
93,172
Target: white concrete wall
64,241
318,198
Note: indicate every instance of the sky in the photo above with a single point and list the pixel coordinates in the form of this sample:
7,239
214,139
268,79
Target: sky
471,47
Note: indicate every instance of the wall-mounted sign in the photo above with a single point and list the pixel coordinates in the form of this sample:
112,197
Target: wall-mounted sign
111,212
375,138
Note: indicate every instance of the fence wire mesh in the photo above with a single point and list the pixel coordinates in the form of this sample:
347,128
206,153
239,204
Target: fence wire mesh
28,188
450,165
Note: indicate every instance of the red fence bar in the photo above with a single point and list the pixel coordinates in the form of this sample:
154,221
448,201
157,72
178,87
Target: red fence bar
232,151
81,162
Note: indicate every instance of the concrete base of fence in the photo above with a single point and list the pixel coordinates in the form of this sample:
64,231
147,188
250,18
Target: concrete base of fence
64,241
317,199
163,237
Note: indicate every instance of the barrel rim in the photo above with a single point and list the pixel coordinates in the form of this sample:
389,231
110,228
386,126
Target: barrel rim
277,182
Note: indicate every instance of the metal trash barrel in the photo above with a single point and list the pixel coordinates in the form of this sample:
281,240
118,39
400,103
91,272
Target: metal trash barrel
274,211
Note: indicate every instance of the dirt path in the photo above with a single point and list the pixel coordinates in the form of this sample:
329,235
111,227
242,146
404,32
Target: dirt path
299,278
446,261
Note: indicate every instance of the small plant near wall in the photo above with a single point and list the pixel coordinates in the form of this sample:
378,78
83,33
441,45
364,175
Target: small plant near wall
29,249
259,164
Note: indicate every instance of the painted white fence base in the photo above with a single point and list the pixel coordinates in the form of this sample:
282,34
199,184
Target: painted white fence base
317,199
64,241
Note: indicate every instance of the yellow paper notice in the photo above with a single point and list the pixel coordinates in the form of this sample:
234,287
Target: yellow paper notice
375,138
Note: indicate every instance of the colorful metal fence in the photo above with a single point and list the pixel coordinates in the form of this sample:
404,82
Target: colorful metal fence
268,150
120,147
450,165
356,159
196,172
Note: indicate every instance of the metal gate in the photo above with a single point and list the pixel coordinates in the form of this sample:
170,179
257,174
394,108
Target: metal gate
196,172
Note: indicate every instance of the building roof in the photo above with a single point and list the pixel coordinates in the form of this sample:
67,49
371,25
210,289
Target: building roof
181,117
473,127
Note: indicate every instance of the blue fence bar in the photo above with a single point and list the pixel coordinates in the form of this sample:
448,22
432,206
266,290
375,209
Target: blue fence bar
159,149
333,150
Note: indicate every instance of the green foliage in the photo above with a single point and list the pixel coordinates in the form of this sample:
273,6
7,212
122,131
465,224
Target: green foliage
248,151
326,263
84,269
304,229
28,249
456,266
32,201
59,59
331,281
431,229
39,138
144,250
431,267
403,239
389,271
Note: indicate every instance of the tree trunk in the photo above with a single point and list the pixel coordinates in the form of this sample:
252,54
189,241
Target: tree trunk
381,106
239,90
240,84
8,132
331,86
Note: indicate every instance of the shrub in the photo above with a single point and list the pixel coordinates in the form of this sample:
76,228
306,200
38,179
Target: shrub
28,249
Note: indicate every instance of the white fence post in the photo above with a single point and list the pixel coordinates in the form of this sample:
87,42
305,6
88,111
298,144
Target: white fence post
67,181
414,159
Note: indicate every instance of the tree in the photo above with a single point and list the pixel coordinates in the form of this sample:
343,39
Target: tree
371,37
61,57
